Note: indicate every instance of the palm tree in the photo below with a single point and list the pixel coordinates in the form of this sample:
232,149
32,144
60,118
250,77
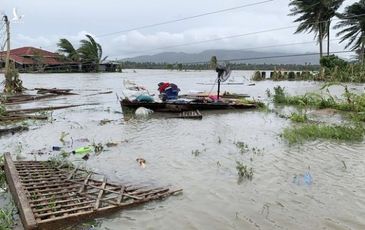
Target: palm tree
91,52
314,17
332,7
353,27
66,48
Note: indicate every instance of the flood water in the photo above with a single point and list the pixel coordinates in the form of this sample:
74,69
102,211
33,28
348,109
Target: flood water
213,198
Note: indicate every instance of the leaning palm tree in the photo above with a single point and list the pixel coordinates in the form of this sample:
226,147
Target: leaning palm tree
352,23
91,53
314,17
66,48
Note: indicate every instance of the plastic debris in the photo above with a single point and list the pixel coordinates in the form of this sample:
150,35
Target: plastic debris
301,179
56,148
83,150
141,162
143,112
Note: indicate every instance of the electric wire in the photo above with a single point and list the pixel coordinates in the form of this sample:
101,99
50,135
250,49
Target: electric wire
234,36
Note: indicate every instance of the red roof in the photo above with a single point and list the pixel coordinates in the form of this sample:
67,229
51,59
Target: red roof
25,56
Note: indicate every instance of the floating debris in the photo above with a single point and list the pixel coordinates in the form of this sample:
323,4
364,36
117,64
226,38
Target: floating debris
111,144
105,121
50,197
13,130
141,162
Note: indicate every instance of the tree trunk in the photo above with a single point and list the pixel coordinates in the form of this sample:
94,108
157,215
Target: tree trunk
328,37
362,50
320,40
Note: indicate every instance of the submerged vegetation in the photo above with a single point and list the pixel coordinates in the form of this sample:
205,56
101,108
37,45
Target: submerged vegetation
314,131
2,172
244,171
6,217
299,118
351,102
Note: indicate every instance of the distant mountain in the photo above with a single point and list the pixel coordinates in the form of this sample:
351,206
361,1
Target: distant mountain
180,57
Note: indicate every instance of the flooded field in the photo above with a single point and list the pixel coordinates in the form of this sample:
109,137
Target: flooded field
201,156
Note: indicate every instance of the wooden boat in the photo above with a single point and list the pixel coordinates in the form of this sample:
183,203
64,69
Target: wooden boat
181,106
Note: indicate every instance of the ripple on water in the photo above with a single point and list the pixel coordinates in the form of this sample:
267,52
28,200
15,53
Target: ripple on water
212,198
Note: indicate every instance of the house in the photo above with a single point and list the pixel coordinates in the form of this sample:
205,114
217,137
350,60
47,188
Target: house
30,59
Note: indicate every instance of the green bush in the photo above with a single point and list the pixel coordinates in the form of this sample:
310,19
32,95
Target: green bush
332,62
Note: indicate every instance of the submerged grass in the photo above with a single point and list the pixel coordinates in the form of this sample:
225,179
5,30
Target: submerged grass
244,171
350,102
315,131
2,172
298,118
6,217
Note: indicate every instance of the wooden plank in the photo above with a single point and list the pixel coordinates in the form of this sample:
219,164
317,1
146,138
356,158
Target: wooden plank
97,203
73,172
108,190
82,189
120,195
25,211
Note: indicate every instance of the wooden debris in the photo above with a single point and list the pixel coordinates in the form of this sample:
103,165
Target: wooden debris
13,130
52,198
94,94
45,93
20,117
55,91
18,99
40,109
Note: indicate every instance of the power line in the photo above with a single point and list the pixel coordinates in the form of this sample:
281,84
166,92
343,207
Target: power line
178,20
270,57
184,19
274,46
225,60
235,36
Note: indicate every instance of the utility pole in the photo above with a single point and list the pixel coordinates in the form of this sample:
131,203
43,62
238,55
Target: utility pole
7,59
12,81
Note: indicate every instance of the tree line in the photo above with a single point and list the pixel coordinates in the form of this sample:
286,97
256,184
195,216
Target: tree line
209,66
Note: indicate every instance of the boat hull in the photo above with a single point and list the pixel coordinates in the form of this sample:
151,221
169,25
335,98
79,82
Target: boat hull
181,107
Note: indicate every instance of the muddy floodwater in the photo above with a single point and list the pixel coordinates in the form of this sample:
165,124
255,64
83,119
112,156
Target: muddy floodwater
213,197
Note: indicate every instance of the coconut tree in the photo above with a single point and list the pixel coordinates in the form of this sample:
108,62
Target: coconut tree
314,17
91,52
66,48
332,7
352,23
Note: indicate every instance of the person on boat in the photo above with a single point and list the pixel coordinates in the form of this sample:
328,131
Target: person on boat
168,91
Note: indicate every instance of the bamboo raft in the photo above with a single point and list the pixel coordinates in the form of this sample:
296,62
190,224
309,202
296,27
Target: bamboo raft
50,197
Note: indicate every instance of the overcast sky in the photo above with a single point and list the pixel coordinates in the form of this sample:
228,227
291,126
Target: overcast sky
46,21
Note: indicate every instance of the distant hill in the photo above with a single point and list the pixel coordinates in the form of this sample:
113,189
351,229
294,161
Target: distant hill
180,57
